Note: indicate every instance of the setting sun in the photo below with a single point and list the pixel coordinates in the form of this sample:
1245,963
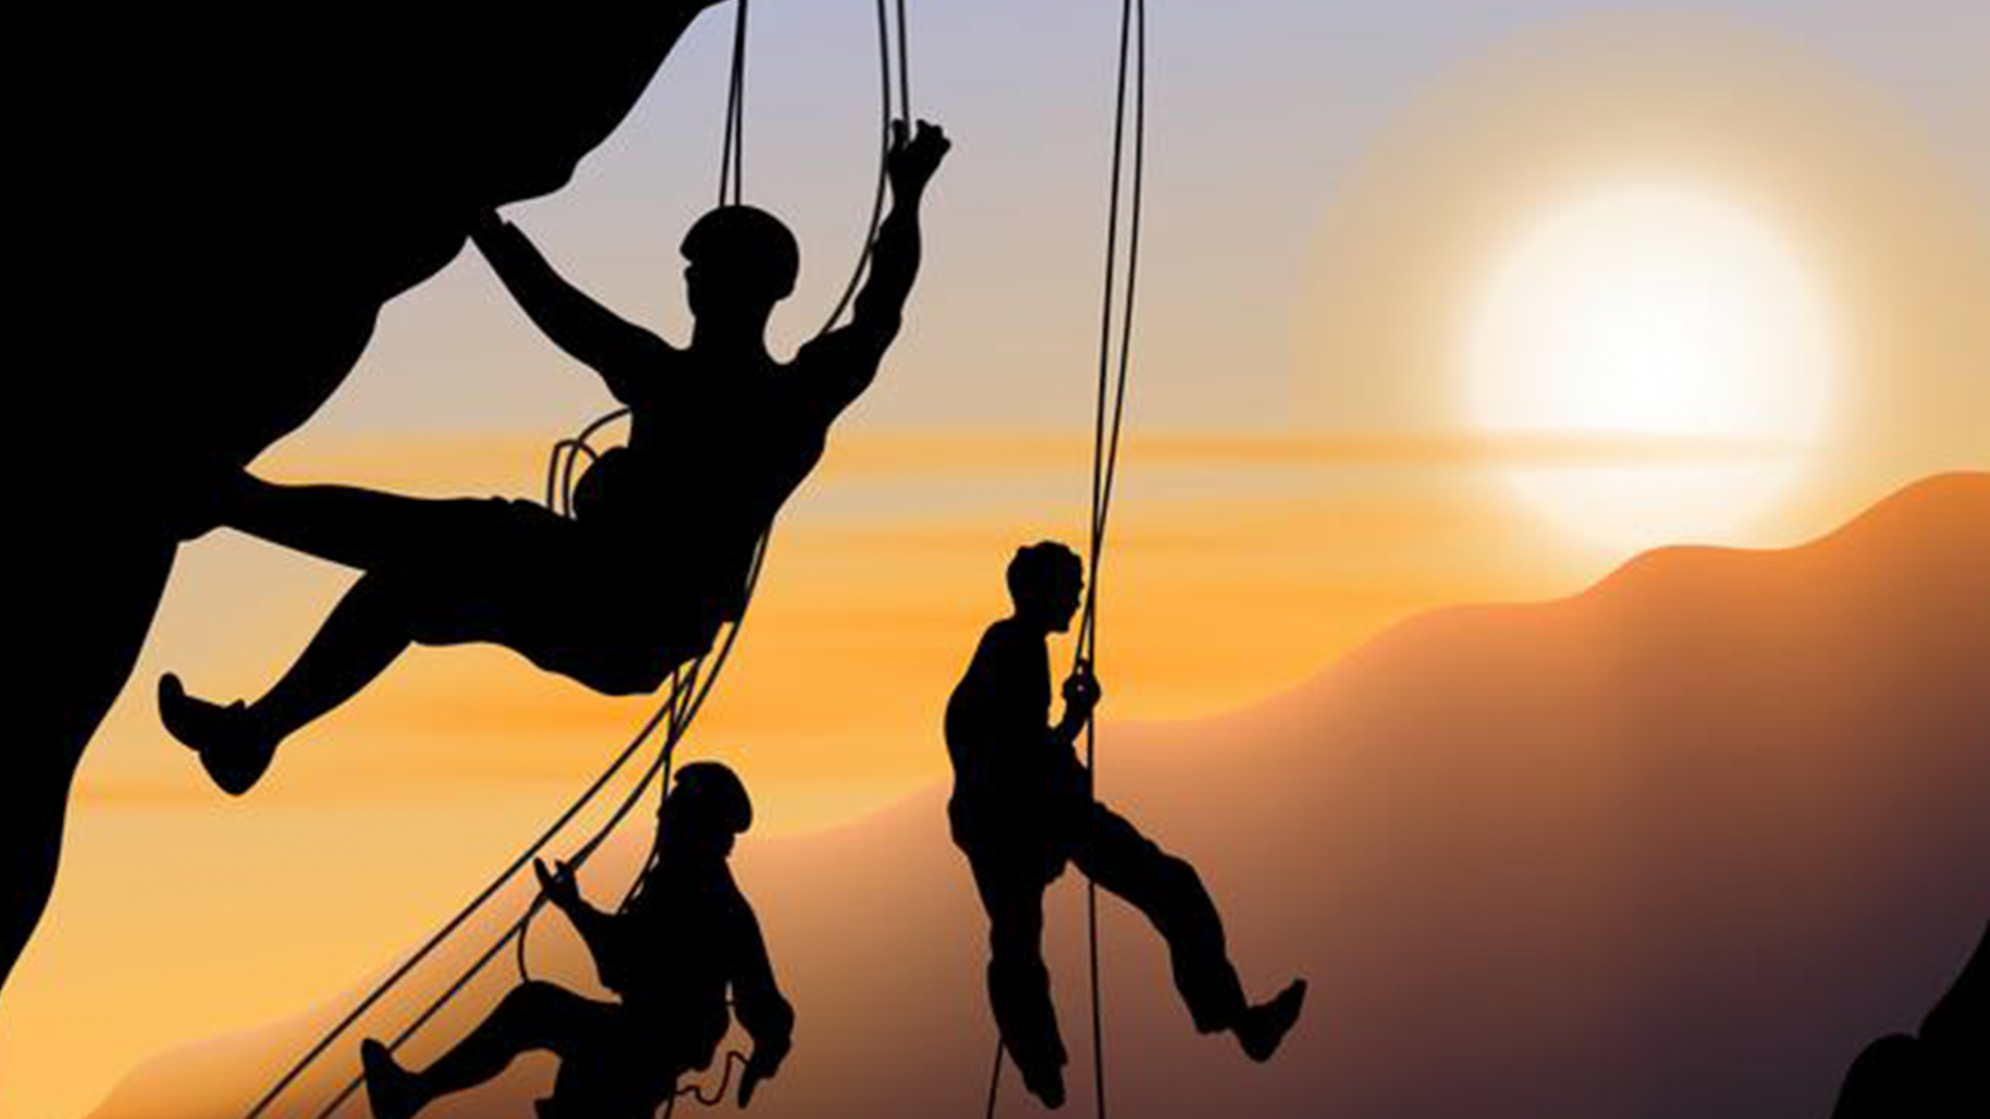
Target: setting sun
1671,320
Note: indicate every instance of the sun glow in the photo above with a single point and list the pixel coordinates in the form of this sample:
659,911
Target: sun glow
1672,321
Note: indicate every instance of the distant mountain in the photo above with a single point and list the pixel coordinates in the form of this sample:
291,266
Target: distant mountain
1676,847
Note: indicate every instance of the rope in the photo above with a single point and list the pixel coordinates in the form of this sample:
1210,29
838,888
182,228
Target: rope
1105,446
677,713
732,1057
660,765
885,115
1102,487
995,1078
456,922
904,70
683,683
732,172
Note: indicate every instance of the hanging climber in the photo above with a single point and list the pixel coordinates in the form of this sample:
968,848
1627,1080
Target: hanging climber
656,558
1022,807
671,954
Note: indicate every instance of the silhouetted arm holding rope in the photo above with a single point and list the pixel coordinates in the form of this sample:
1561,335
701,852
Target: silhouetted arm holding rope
844,361
595,926
1081,696
622,352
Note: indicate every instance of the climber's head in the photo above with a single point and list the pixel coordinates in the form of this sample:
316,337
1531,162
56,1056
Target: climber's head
739,262
706,808
1046,580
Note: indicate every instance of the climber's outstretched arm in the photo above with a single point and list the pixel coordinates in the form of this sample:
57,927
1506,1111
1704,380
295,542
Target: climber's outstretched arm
847,359
622,352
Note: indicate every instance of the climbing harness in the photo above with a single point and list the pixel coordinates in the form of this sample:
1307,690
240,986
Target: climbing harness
690,684
1114,364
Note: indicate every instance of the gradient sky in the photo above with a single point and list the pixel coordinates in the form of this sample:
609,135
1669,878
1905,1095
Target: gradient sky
1324,179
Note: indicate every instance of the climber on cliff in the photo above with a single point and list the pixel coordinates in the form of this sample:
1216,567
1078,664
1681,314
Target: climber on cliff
657,556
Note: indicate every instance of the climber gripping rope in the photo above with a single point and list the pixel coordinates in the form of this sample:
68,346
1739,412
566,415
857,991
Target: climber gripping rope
1023,807
684,948
655,560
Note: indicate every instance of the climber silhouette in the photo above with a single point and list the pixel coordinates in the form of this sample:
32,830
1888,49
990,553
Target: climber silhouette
671,953
656,558
1022,807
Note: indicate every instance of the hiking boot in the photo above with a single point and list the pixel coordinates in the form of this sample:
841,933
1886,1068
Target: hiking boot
1263,1026
224,737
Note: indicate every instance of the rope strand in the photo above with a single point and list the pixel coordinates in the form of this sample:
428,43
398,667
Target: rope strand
995,1079
1112,382
904,68
1102,460
732,171
456,922
660,765
885,116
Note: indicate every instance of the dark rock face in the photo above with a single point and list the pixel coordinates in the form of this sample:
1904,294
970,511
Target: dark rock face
1941,1073
217,204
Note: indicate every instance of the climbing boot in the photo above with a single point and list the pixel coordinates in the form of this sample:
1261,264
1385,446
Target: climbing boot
1263,1026
390,1089
233,755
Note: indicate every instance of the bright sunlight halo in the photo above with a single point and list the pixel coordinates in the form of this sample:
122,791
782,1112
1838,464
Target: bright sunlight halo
1655,363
